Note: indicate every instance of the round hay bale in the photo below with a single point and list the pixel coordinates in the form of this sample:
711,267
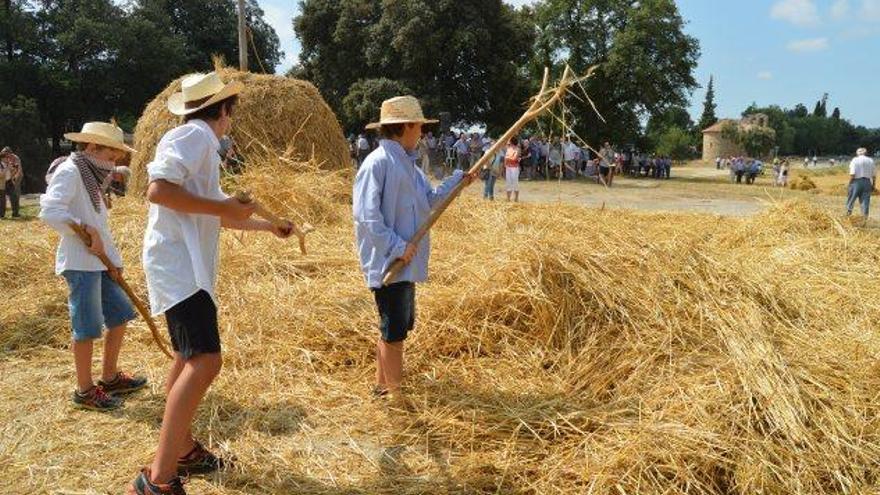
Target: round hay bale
275,115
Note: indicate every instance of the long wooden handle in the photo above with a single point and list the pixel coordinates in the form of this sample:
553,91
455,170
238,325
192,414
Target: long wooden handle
87,240
245,197
538,106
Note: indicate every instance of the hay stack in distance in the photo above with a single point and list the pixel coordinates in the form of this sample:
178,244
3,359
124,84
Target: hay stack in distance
276,115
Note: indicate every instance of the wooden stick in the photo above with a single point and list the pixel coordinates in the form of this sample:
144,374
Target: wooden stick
87,239
538,106
246,198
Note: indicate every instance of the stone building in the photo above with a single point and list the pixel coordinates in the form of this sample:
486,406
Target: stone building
715,145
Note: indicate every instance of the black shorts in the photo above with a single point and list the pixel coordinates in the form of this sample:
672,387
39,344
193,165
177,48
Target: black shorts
397,310
192,326
604,170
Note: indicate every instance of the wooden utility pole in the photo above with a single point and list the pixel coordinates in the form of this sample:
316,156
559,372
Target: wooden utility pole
242,38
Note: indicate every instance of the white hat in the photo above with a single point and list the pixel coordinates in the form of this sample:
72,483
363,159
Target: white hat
102,133
401,110
862,151
199,91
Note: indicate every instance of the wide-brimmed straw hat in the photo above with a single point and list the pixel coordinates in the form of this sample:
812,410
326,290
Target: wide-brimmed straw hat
862,151
401,110
199,91
103,133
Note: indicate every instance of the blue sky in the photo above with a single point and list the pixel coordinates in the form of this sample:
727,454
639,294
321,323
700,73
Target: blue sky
765,51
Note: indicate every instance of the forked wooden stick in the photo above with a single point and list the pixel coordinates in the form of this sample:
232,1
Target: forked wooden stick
246,198
540,104
87,240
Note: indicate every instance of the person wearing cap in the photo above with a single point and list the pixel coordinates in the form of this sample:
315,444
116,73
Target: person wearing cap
391,199
11,175
862,182
180,258
77,194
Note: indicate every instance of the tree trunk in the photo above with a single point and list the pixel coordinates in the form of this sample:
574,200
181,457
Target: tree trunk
9,23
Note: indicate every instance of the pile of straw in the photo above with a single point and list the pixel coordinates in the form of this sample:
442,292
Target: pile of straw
275,114
803,183
557,350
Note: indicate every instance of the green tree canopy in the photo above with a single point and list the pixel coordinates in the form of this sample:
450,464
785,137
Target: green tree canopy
361,105
464,57
645,60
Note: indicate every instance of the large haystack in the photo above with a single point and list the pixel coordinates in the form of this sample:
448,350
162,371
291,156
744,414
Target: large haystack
557,350
278,115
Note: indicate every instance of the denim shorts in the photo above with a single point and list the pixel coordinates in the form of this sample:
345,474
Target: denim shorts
95,302
397,310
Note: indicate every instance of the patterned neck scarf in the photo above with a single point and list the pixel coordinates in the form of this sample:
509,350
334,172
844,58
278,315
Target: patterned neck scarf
94,174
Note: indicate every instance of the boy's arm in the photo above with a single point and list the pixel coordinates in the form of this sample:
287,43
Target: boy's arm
175,197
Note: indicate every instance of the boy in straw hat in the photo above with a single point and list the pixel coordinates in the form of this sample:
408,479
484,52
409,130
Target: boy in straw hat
392,198
77,193
180,259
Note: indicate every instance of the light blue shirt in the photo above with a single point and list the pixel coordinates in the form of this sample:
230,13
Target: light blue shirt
391,199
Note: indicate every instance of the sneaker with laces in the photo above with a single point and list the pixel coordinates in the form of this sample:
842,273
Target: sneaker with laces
96,399
123,383
199,460
143,486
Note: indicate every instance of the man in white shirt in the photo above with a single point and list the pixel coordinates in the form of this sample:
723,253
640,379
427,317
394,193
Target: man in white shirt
862,181
180,259
11,175
77,195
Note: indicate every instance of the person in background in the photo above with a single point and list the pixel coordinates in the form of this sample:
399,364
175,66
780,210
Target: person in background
462,150
739,168
554,160
783,174
432,143
570,156
862,182
475,149
511,168
12,176
717,163
490,172
362,148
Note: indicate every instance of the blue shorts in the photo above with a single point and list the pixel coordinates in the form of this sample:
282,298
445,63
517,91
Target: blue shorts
95,301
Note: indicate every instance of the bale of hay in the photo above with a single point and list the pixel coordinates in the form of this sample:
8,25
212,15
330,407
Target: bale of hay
557,350
276,115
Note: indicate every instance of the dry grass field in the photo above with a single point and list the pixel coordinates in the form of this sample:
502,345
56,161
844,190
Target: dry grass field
559,348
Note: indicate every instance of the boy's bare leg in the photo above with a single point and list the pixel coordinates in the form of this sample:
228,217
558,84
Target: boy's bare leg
82,359
391,355
516,196
112,346
173,374
180,408
380,373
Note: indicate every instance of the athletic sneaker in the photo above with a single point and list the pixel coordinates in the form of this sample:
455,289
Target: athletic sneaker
123,383
142,486
96,399
199,460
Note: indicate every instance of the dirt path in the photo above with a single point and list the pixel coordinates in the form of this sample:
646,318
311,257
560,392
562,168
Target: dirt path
693,188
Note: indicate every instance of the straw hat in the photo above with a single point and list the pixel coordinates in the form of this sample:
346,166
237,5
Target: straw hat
102,133
401,110
862,151
199,91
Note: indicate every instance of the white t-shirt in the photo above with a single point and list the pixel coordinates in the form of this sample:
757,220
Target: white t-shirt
180,249
363,144
570,151
861,167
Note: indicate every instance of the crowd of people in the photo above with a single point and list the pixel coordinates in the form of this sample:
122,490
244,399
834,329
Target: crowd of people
522,158
11,177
